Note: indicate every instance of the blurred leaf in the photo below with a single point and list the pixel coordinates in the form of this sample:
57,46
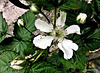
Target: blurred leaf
93,41
67,63
95,35
71,4
53,59
96,7
48,4
3,28
43,67
5,60
21,32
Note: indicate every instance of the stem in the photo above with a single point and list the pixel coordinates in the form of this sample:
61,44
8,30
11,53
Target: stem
27,30
55,17
38,56
45,16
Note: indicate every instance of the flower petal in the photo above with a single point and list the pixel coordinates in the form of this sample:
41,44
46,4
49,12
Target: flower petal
70,44
16,67
43,26
61,20
42,41
66,46
68,53
73,29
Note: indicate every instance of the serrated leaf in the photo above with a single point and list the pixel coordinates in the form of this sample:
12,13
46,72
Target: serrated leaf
5,60
3,28
80,59
24,48
96,7
43,67
93,41
71,4
76,62
22,32
14,44
95,35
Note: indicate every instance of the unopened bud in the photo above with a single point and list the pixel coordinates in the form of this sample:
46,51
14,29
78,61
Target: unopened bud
34,8
18,63
20,22
81,18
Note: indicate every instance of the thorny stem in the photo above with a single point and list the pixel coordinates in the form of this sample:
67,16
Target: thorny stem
55,17
38,56
45,16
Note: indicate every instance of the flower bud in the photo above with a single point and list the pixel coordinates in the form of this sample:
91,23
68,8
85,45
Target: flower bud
34,8
81,18
20,22
18,63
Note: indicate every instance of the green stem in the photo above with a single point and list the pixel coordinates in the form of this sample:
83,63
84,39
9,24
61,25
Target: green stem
45,16
55,17
38,56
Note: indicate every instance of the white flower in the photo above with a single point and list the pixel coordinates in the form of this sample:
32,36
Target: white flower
81,18
57,34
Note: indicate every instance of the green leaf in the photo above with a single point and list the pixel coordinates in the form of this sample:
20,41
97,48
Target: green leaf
67,63
80,59
76,62
23,32
95,35
93,41
5,60
3,28
72,14
14,44
43,67
96,7
53,59
71,4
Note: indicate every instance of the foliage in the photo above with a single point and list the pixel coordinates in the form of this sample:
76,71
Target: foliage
96,9
24,33
43,61
3,28
5,60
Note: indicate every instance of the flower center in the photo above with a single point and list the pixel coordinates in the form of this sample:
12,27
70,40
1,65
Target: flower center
58,34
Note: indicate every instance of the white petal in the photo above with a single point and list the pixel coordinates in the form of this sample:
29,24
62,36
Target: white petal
19,62
73,29
42,41
68,53
43,26
66,46
70,44
16,67
82,17
61,20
